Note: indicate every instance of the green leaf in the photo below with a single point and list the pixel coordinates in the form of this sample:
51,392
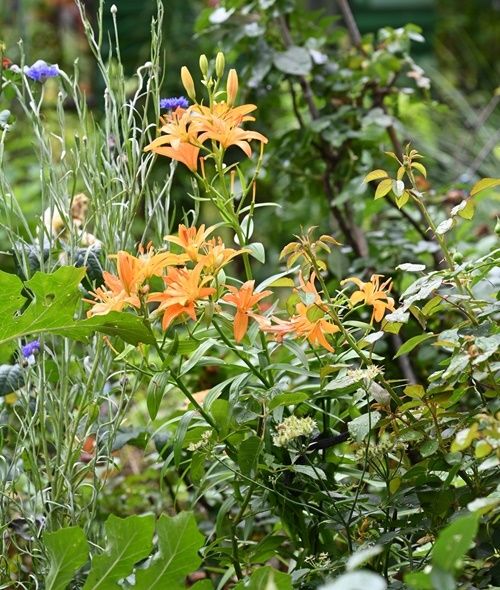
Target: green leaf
360,427
179,542
128,541
484,184
295,60
419,581
383,188
55,298
248,454
67,551
403,199
429,448
288,399
266,578
283,282
454,542
420,167
410,344
257,250
359,580
375,175
11,379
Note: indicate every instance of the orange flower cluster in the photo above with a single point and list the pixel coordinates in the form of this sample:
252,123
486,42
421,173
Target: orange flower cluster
189,280
184,286
374,294
310,321
184,132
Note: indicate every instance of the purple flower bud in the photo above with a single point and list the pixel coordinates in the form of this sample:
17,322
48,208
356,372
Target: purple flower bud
30,348
41,70
173,103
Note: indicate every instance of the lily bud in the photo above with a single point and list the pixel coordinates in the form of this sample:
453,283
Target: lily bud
203,64
232,87
220,62
188,83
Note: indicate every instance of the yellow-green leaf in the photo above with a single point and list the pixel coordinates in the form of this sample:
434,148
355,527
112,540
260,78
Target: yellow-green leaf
375,175
468,211
283,282
403,199
420,167
484,184
415,391
383,188
400,173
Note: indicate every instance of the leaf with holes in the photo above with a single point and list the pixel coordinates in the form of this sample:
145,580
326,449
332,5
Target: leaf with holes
51,301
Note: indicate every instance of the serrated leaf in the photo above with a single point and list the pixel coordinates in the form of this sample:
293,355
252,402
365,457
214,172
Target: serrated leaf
295,60
383,188
484,184
178,542
375,175
67,550
410,344
55,299
129,540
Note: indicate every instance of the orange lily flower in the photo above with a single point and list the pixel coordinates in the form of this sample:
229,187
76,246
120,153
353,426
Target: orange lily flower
374,294
191,239
221,123
184,288
244,299
178,141
120,290
305,324
217,255
279,329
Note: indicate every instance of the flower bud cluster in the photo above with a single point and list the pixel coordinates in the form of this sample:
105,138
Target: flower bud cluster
203,443
292,428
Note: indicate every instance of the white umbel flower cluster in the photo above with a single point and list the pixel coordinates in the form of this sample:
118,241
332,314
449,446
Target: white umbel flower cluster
366,375
291,428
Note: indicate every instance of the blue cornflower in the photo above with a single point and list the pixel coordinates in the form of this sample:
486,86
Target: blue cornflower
174,102
30,348
41,70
